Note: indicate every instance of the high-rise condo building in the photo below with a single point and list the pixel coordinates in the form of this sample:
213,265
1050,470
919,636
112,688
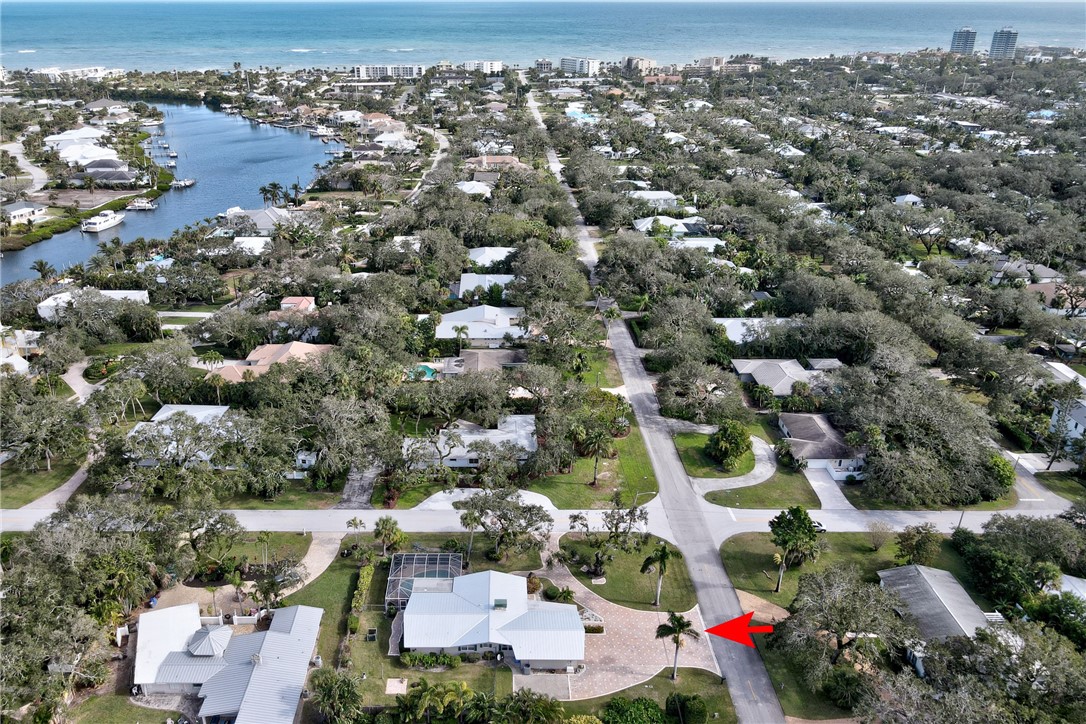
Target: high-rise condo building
1004,43
580,66
963,41
489,67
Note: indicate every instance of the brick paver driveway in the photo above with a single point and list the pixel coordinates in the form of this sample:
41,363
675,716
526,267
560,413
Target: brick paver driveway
628,653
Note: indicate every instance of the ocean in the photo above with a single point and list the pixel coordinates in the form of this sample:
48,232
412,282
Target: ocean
185,35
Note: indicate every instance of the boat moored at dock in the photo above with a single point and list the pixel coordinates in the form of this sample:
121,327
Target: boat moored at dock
101,221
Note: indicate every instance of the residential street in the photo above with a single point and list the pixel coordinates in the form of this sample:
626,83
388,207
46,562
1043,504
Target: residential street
38,177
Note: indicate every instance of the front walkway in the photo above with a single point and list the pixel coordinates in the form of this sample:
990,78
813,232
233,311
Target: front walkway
74,378
627,653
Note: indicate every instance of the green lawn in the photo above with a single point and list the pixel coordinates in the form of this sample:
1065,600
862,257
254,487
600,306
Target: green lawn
115,709
63,390
763,428
1065,484
628,586
748,557
858,496
1080,368
796,699
295,496
630,471
691,681
408,499
19,487
785,489
280,546
698,464
181,320
601,361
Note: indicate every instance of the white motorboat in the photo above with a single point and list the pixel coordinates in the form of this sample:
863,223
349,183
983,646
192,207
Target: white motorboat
182,183
172,154
171,164
101,222
141,204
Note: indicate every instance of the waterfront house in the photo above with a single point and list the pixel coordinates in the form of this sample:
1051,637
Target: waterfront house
814,440
264,220
491,612
247,678
24,212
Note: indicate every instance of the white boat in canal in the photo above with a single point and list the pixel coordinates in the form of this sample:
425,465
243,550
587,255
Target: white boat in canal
101,222
171,164
172,154
182,183
141,204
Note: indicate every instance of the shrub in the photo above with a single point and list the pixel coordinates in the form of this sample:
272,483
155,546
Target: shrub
844,687
534,584
417,660
452,546
493,556
550,592
583,719
729,443
352,623
687,708
471,658
621,710
919,544
362,590
593,628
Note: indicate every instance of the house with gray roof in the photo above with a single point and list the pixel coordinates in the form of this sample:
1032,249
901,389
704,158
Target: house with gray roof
938,605
777,374
490,611
254,678
813,439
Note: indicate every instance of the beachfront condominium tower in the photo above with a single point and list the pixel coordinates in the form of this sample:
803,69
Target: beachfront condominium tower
963,41
1003,44
580,66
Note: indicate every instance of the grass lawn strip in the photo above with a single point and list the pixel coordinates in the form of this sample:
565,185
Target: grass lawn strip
796,699
858,496
295,496
19,487
691,681
115,709
785,489
628,586
1065,484
698,464
280,546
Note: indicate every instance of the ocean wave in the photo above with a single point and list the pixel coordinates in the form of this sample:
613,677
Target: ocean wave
400,50
301,50
26,51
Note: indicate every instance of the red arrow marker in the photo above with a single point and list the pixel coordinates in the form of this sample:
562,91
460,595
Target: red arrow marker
739,630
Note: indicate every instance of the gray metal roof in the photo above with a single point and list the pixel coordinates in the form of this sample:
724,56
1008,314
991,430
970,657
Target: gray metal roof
936,601
210,641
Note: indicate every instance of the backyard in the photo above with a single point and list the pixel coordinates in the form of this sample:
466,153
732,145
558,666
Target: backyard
114,708
627,586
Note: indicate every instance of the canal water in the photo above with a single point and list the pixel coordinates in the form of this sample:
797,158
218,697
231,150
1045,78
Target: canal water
230,158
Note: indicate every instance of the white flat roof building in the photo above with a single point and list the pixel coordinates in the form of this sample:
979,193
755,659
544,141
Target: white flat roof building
485,323
488,255
469,282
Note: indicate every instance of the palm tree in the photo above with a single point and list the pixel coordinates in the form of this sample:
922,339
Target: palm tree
44,269
296,189
461,332
217,381
234,579
277,192
263,538
471,520
387,530
565,595
357,525
597,442
659,557
678,629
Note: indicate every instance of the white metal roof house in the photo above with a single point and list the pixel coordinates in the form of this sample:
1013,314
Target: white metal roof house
908,200
486,325
49,308
203,414
656,199
474,188
470,282
254,678
485,256
490,611
517,430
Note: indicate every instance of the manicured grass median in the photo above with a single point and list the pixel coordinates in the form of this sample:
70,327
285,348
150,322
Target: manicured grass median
19,487
627,586
748,558
1065,484
116,709
785,489
691,681
698,464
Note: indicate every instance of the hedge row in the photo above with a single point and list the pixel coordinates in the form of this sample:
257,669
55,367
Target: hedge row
362,591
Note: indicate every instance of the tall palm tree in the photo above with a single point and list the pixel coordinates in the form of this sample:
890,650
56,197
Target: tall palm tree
597,442
44,269
461,332
659,558
277,192
357,525
471,520
678,629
